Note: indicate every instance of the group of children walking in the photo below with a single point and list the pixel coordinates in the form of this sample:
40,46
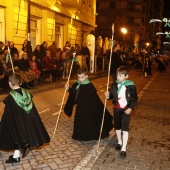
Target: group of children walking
21,128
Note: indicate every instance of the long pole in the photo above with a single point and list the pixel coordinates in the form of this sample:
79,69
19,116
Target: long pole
9,54
28,33
98,146
74,54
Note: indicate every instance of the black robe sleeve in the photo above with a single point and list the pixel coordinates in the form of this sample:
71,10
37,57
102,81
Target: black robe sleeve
71,100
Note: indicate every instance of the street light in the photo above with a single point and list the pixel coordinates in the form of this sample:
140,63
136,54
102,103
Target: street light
147,45
124,31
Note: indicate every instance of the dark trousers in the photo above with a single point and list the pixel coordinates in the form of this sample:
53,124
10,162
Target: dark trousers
121,120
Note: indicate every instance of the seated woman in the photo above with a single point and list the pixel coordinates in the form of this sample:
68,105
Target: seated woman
50,65
33,66
28,76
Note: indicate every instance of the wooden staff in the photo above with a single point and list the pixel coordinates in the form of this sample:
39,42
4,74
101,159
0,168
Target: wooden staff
98,146
74,54
9,54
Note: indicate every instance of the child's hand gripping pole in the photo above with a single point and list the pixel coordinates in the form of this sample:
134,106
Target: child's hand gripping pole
59,112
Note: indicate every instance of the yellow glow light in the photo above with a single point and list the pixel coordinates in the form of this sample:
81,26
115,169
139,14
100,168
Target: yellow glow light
124,30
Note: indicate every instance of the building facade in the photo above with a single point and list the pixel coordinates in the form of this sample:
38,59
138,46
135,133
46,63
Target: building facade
134,15
52,20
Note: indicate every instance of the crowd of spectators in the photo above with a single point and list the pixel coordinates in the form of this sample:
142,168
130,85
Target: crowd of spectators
48,63
45,63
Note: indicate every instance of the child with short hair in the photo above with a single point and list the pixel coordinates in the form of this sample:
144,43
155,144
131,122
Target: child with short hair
21,125
89,110
125,98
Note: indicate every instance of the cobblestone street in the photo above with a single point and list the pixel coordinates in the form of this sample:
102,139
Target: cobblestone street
149,136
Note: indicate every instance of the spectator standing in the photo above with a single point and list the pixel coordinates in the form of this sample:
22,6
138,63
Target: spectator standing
39,57
116,61
67,61
53,49
43,49
85,52
25,48
3,76
3,49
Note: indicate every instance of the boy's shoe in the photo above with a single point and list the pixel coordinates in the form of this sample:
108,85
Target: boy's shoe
25,152
12,160
123,154
118,147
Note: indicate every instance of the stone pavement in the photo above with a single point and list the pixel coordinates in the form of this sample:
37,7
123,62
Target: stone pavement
63,153
149,137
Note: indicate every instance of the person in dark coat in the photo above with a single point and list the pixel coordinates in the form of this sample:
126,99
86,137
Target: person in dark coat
116,61
161,64
43,49
3,77
13,49
21,125
39,57
147,64
85,51
53,49
89,110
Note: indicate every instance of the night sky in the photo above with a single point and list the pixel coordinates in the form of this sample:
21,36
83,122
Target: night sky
167,9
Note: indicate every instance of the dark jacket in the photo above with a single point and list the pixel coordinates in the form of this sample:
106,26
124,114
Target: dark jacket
23,64
116,62
131,95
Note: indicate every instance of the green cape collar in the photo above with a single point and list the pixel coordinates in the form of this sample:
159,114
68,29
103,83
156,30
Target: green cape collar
125,83
24,101
87,81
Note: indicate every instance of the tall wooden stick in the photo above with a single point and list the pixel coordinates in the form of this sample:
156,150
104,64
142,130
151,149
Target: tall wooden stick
74,54
9,54
98,146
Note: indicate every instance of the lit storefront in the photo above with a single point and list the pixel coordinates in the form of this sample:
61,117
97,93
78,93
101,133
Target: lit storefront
49,21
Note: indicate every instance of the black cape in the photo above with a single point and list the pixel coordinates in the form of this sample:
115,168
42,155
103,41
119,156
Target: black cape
19,128
88,114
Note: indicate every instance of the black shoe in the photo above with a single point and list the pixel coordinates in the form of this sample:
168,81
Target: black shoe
123,154
118,147
25,152
12,160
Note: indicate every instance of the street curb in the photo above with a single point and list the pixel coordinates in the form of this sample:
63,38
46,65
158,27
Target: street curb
58,84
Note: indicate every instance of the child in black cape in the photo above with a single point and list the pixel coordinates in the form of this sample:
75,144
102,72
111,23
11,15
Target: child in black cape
124,95
21,125
89,109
